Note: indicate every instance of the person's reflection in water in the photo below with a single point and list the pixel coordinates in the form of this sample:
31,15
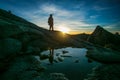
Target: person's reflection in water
51,55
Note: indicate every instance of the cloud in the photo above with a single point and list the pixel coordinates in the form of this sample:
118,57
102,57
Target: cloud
47,8
74,25
99,8
41,14
94,16
114,25
64,16
80,5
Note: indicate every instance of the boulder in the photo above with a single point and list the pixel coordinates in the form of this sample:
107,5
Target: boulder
8,29
23,68
104,55
9,47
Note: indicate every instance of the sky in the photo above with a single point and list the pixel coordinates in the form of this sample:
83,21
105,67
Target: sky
79,16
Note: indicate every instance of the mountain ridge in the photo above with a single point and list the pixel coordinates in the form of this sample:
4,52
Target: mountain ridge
104,38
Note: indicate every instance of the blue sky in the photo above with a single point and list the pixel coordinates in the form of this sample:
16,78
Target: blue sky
77,15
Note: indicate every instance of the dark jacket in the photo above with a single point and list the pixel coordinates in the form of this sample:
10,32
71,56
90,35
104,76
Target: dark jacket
50,20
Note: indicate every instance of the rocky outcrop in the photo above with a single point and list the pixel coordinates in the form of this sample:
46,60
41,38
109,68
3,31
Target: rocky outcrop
104,38
103,55
8,47
24,67
105,72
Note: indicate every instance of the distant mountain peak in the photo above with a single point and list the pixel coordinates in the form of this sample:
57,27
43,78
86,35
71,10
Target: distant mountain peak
98,30
103,37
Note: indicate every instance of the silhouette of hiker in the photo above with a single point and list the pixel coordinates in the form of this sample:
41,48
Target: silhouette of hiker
51,55
50,22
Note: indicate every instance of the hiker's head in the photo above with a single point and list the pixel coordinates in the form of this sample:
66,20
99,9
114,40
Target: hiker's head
50,15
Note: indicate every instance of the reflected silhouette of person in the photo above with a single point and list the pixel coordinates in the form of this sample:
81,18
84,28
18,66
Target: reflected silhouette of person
51,55
50,22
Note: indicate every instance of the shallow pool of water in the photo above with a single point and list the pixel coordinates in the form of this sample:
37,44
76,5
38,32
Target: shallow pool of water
70,61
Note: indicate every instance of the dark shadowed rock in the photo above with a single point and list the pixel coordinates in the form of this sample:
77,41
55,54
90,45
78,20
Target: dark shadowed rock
7,29
104,55
23,68
105,72
9,47
104,38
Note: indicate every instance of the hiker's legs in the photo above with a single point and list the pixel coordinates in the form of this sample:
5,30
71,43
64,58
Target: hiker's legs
52,28
49,28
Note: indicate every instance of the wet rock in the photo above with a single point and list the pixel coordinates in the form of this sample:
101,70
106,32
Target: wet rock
60,59
64,51
57,54
65,56
44,56
55,60
58,76
105,72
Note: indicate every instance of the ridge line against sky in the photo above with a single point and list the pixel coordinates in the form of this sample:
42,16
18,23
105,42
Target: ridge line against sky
77,15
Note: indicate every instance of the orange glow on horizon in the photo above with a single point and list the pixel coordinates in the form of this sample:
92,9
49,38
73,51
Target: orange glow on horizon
78,32
64,29
67,30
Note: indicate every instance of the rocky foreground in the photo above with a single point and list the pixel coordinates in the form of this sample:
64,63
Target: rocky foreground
20,39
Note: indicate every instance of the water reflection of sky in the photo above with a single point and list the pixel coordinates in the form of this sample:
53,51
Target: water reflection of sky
69,61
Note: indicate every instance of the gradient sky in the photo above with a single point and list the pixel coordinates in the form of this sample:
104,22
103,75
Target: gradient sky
77,15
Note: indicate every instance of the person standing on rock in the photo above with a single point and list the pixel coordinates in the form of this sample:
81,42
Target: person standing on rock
50,23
